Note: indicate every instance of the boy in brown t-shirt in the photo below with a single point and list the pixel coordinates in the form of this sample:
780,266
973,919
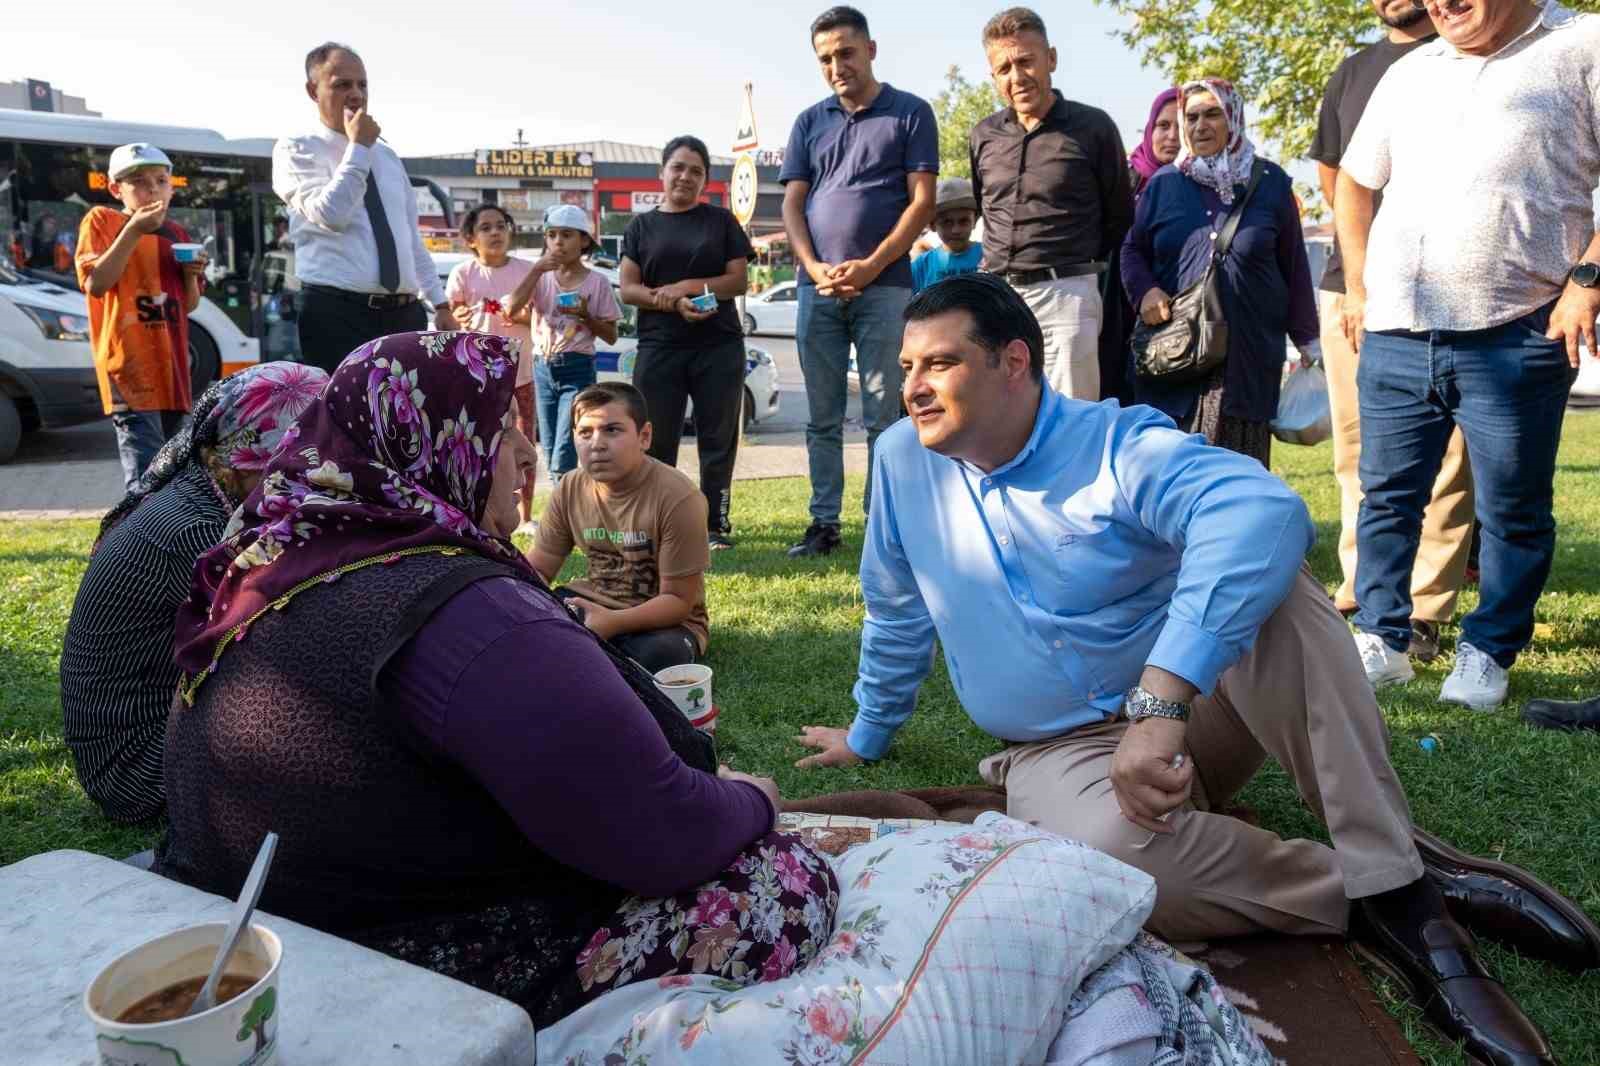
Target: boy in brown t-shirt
642,525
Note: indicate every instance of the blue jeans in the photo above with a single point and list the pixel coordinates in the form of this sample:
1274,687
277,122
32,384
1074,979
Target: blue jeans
825,329
1506,388
557,384
140,434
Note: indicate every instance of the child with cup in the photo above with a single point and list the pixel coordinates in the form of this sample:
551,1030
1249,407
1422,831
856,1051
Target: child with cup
480,290
140,296
568,306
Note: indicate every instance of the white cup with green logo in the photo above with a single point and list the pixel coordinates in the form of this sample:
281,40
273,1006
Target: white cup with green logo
240,1032
689,689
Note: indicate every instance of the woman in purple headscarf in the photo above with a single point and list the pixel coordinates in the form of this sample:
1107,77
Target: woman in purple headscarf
460,774
1161,142
1158,148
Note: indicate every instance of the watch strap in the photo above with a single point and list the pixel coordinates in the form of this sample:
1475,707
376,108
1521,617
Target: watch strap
1140,704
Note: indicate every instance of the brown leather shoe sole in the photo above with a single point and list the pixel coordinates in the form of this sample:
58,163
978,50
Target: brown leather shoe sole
1586,928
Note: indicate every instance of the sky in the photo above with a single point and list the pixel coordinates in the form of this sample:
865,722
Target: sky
560,70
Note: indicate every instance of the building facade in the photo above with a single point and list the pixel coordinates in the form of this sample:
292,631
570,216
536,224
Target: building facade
611,180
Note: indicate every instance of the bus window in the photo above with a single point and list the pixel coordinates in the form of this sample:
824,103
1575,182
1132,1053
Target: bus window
15,253
53,182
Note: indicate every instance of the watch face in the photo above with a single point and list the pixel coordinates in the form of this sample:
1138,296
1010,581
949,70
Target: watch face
1586,274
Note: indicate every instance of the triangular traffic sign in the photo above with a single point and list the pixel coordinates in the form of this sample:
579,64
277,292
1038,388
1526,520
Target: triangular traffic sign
744,138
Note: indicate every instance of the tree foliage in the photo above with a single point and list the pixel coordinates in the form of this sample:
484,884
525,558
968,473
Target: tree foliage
1279,53
959,107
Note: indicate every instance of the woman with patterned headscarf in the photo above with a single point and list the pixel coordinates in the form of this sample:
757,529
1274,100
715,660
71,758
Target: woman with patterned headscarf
460,774
117,673
1265,279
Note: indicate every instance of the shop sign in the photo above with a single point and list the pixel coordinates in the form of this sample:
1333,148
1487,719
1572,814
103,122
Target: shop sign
532,163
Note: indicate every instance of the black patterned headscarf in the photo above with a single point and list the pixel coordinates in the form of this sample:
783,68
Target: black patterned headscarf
235,426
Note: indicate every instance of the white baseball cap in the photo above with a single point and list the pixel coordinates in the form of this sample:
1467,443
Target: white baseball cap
133,156
569,216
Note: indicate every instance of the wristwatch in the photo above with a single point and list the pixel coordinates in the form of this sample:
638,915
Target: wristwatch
1139,704
1586,275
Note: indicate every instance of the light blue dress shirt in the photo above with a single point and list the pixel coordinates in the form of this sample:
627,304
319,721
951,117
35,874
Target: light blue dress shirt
1110,542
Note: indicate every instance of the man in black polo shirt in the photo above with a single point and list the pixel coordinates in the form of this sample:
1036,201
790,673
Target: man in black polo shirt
1437,575
1051,178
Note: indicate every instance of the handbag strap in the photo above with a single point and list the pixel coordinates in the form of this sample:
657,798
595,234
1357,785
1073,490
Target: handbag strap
1230,227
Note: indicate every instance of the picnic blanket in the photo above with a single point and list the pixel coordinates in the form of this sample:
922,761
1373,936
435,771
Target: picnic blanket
1306,997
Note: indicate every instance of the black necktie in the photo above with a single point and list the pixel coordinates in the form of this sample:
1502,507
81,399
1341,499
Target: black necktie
388,263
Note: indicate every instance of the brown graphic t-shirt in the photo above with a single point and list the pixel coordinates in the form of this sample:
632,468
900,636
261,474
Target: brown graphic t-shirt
633,536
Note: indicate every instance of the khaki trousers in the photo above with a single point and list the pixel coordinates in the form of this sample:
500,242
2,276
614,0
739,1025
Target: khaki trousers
1298,695
1441,564
1069,311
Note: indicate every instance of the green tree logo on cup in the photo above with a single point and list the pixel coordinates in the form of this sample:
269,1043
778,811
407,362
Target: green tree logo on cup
255,1020
695,696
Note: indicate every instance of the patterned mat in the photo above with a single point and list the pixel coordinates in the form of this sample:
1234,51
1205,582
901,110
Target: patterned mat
1305,997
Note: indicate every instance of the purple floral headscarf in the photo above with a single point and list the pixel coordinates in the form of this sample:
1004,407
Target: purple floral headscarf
236,425
396,454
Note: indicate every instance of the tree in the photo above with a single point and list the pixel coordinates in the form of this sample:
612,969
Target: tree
958,108
1279,53
695,696
255,1019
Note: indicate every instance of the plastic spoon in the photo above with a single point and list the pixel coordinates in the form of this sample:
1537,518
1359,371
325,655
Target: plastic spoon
236,927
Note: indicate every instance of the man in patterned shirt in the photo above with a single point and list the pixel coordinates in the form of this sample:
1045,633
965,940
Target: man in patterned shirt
1468,297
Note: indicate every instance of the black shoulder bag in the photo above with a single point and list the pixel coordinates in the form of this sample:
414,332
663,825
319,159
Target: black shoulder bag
1194,341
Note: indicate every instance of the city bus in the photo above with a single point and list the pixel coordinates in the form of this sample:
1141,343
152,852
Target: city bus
52,170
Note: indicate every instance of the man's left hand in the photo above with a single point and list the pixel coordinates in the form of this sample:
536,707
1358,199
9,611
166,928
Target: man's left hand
853,275
1574,319
1142,776
601,621
195,268
444,320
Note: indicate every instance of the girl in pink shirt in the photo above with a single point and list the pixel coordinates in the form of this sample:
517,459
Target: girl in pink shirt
568,306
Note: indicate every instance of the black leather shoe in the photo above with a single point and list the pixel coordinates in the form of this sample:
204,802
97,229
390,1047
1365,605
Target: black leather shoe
820,539
1459,997
1567,717
1511,905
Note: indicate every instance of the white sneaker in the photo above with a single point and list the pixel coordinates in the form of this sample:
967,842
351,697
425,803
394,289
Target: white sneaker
1477,680
1384,665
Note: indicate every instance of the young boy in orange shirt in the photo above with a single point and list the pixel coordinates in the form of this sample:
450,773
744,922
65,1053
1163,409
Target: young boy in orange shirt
140,297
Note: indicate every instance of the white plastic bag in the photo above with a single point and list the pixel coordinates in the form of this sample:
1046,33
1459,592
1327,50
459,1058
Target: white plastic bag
1303,416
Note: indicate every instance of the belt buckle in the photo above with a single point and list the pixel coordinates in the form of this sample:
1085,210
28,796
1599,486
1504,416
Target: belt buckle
375,301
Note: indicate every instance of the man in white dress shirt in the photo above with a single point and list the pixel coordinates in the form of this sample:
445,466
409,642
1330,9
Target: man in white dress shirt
353,221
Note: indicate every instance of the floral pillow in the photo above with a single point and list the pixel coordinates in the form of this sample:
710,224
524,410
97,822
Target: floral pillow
951,944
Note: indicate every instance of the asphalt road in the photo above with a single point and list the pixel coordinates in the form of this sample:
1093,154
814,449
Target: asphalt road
75,470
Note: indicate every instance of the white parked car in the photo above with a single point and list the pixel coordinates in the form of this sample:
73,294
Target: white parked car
774,311
614,362
47,367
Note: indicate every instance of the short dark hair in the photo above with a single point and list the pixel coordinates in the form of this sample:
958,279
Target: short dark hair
608,392
694,144
999,316
1013,22
469,225
321,54
841,17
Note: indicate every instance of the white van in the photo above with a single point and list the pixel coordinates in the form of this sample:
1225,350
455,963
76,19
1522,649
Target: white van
47,368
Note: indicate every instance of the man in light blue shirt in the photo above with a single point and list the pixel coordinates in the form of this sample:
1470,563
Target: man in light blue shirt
1129,608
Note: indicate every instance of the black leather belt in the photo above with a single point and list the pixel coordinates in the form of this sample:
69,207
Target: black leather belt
1033,277
376,301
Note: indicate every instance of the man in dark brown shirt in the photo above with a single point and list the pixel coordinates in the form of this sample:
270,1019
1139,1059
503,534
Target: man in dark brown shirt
1051,179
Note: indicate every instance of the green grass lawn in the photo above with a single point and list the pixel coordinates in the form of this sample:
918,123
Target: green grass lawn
785,650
